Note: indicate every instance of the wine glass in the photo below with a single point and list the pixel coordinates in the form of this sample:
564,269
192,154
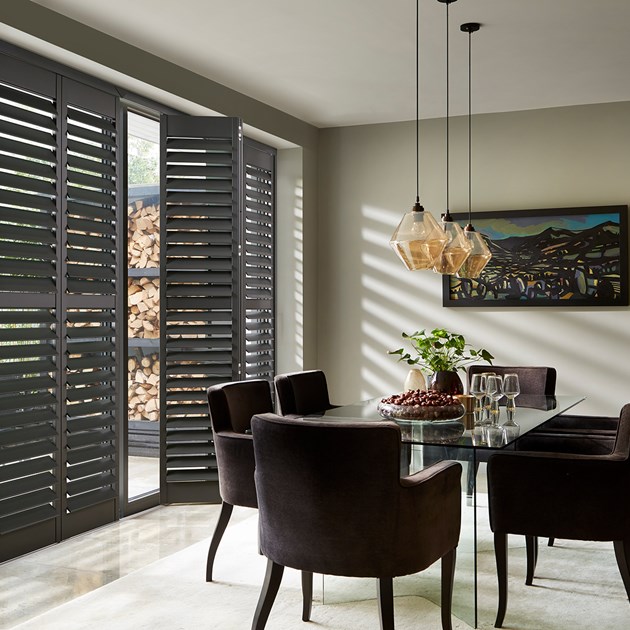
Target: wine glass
511,389
478,390
494,391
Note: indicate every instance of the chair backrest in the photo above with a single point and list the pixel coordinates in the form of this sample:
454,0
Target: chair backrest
233,404
622,440
533,380
331,500
302,393
231,407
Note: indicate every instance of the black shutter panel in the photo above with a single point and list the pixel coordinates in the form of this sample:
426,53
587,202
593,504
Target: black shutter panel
29,374
200,172
90,158
258,260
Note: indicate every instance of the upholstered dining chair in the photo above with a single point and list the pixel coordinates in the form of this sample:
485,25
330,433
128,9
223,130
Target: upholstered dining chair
331,501
560,495
231,407
302,393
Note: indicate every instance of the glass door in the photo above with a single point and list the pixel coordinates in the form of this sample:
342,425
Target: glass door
143,309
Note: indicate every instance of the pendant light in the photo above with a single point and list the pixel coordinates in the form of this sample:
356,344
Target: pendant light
457,247
418,240
480,254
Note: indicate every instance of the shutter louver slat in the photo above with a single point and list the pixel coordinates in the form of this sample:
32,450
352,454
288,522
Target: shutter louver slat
27,185
28,417
259,260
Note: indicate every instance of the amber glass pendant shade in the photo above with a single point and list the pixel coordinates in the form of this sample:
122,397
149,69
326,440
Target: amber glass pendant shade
479,255
418,240
456,250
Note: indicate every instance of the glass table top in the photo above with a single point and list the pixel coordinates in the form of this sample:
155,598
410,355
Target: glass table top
531,412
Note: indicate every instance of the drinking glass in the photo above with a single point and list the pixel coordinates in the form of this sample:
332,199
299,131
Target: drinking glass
487,402
511,389
478,390
494,391
496,435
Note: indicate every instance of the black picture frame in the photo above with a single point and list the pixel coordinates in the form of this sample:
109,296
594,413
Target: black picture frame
548,257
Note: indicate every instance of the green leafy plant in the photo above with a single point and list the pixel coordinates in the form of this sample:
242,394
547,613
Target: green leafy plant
440,351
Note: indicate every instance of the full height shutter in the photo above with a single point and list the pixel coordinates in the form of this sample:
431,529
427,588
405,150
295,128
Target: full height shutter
90,157
200,175
29,373
58,261
257,262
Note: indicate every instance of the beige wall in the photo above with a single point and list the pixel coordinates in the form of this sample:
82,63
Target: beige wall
566,157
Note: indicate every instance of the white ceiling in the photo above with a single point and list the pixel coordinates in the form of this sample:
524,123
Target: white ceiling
347,62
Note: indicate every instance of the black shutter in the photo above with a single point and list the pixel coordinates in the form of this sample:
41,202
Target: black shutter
90,157
258,260
29,372
58,261
200,173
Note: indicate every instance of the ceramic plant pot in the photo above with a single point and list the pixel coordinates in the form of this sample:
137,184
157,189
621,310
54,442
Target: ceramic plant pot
447,382
415,380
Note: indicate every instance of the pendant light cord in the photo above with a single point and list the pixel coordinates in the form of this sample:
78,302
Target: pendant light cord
417,101
469,130
447,116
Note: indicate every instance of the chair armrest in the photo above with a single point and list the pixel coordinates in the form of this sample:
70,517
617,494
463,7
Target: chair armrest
580,424
427,473
561,442
235,461
429,514
560,495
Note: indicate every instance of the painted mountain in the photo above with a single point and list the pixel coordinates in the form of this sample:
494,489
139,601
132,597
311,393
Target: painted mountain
557,264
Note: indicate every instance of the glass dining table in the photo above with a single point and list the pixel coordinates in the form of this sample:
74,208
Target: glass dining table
426,442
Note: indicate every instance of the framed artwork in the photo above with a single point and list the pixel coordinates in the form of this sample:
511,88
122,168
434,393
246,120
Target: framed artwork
551,257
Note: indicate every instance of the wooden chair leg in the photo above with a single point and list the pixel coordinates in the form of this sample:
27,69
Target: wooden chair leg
307,595
448,577
531,545
270,587
500,554
386,603
224,517
622,554
471,478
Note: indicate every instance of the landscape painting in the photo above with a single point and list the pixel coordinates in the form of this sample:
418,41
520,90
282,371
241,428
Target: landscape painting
551,257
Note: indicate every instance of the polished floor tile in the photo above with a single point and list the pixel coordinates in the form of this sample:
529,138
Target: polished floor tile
44,579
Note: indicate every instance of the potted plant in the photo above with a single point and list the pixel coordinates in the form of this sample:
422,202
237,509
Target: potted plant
441,353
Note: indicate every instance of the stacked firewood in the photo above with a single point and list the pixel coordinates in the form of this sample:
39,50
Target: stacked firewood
143,296
144,387
144,235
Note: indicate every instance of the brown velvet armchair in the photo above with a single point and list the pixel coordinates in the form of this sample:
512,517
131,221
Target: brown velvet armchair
561,495
331,501
302,393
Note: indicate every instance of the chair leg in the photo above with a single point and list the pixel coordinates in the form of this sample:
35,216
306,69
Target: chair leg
307,595
386,602
270,587
224,517
531,545
550,542
622,554
500,554
471,475
448,577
